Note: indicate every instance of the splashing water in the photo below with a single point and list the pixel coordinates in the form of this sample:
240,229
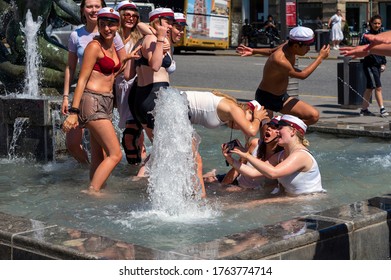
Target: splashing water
18,128
33,58
173,185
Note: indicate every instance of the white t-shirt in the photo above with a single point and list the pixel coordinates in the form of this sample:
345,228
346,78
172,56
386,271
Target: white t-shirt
79,39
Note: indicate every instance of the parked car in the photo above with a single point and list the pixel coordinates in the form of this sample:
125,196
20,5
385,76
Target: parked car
59,30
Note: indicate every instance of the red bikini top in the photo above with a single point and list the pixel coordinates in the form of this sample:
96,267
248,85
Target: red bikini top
106,65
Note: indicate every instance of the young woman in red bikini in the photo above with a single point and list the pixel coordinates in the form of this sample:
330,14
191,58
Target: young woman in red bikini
92,105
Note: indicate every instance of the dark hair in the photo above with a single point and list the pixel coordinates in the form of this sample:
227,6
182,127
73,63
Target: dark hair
83,4
261,153
374,18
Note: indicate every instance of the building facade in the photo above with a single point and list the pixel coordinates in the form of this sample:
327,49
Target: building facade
356,12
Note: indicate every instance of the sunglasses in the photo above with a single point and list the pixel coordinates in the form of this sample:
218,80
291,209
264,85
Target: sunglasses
127,16
272,125
281,124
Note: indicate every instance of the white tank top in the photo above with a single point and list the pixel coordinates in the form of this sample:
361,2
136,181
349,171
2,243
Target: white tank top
203,108
303,182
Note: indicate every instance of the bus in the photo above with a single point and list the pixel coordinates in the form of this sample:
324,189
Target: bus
208,23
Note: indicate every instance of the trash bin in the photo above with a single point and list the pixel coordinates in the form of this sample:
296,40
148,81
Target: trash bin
322,37
351,83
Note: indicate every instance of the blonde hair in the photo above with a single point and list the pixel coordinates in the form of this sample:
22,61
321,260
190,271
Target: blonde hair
302,139
135,34
229,97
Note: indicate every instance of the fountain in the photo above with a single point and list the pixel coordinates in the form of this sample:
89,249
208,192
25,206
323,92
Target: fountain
39,137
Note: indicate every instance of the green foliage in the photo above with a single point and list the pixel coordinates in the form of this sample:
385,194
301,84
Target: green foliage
347,40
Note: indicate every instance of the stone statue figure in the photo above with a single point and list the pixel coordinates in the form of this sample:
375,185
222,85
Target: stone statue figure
54,56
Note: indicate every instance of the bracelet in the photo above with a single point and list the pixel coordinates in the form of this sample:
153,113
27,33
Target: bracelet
160,41
65,96
74,110
258,120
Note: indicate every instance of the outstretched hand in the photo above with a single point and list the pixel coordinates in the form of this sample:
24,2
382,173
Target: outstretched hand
244,51
355,52
381,38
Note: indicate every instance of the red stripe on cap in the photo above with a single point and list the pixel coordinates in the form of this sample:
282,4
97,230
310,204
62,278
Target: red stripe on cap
167,14
251,106
131,6
299,128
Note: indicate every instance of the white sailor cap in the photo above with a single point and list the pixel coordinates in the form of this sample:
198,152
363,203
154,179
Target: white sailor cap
161,12
108,12
180,19
294,122
123,5
301,34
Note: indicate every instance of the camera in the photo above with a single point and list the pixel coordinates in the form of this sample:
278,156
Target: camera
232,144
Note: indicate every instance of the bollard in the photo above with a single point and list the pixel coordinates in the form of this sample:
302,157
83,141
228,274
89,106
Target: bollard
351,83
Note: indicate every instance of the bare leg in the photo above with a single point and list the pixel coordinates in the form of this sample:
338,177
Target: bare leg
199,173
74,145
367,96
301,109
379,96
103,136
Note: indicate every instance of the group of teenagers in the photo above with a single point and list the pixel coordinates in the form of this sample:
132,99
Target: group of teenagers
124,63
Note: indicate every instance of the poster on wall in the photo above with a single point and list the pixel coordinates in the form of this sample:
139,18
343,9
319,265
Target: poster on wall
291,14
208,19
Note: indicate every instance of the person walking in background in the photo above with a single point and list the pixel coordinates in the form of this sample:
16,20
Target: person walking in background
132,135
335,24
93,100
373,65
246,32
78,41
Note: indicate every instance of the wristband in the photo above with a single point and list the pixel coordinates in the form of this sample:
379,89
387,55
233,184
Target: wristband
160,41
74,110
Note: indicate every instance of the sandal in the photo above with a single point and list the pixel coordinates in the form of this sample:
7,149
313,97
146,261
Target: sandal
133,153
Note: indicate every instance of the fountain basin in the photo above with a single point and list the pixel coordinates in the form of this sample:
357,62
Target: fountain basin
354,231
38,138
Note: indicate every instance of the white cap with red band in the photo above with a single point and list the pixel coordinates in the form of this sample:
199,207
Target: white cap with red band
295,122
108,12
123,5
161,12
301,34
275,120
254,104
180,18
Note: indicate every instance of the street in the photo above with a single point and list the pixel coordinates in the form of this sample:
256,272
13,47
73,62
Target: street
241,75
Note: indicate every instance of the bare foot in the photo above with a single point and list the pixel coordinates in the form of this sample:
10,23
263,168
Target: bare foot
234,189
138,178
92,191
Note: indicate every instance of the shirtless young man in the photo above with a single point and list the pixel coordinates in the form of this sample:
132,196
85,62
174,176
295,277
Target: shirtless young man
272,91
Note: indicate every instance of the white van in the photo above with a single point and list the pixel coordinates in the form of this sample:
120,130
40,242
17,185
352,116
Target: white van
59,30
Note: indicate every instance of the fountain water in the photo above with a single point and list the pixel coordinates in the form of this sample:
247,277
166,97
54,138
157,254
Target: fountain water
38,138
33,58
174,188
18,128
